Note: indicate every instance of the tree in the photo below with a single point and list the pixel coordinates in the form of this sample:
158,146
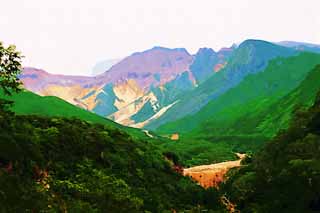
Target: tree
10,68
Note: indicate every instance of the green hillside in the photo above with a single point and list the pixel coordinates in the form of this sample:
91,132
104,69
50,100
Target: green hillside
244,127
285,175
251,57
248,100
268,114
32,104
28,103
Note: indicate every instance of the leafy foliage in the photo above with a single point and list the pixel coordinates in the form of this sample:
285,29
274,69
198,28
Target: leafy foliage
58,164
285,175
10,68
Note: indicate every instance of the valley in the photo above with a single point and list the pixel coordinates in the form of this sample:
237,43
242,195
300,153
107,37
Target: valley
214,112
167,106
162,130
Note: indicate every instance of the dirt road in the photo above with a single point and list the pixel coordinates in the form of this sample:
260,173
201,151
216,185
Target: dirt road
213,174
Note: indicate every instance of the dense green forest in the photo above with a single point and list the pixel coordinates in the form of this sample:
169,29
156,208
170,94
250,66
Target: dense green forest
60,164
285,175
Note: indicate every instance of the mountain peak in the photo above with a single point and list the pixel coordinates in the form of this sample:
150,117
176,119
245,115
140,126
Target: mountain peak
263,48
205,50
255,42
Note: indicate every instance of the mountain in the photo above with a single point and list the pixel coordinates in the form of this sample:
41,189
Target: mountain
151,67
251,57
207,62
129,83
136,90
247,116
241,109
120,92
151,88
301,46
68,88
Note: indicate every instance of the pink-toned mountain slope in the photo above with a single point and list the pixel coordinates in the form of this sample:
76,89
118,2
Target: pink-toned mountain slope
155,66
130,80
36,79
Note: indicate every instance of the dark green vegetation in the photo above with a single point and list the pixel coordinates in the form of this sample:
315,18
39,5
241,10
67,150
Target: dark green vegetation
198,151
58,164
247,115
285,175
10,66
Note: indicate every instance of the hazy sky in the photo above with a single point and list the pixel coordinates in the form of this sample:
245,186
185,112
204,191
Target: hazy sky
70,36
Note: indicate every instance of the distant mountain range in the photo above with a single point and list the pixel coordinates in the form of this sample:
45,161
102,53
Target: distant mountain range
161,85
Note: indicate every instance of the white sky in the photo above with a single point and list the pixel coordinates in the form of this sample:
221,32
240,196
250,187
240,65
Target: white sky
70,36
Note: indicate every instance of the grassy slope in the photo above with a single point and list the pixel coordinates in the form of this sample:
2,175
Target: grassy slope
279,115
28,103
266,115
249,98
